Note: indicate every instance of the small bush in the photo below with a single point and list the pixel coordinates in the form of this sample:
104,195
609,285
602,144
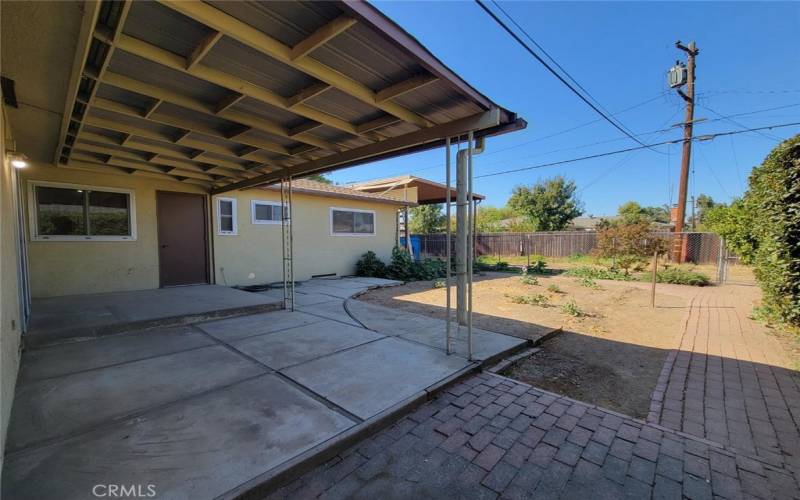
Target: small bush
439,284
588,283
537,266
402,267
532,300
429,269
572,309
597,273
529,280
370,265
554,288
678,276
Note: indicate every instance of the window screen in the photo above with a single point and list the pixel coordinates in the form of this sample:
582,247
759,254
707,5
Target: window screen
267,212
82,212
226,216
350,222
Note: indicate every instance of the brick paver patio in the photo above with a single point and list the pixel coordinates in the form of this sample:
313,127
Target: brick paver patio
489,437
730,381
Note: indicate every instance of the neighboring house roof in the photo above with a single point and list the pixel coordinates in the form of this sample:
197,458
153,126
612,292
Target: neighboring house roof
428,191
589,223
314,188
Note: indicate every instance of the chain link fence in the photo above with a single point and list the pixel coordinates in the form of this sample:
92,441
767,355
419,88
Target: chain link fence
704,250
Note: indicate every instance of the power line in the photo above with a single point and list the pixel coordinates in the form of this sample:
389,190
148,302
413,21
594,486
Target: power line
555,73
705,137
734,122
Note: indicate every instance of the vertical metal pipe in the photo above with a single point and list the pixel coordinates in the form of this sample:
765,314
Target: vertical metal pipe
289,215
283,240
470,246
461,236
447,225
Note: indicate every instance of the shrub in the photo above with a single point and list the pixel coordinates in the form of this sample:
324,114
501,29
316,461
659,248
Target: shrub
678,276
532,300
554,288
370,265
629,245
402,267
439,284
429,269
537,266
572,309
597,273
588,283
529,280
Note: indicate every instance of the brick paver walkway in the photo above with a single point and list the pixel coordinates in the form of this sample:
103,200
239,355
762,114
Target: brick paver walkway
490,436
730,381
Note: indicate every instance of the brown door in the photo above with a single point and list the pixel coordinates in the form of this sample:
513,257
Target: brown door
182,238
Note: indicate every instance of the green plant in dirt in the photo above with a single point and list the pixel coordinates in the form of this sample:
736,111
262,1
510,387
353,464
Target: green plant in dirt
629,245
537,265
439,284
576,257
553,288
370,265
402,266
571,307
599,273
679,276
428,269
527,279
588,283
532,300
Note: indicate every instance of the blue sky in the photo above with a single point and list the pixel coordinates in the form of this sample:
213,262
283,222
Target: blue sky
620,52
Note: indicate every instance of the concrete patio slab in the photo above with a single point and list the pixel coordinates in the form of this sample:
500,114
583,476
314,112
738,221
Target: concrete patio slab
297,345
374,281
73,403
199,448
57,319
371,378
342,292
432,331
232,329
62,359
333,309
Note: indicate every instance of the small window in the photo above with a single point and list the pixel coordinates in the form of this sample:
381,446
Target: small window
267,212
81,213
351,222
226,216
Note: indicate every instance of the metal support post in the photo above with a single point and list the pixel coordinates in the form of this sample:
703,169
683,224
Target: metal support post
471,246
447,239
287,243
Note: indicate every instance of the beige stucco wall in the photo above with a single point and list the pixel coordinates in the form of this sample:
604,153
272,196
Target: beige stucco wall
253,256
10,313
77,267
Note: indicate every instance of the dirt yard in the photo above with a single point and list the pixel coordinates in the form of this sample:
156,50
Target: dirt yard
611,356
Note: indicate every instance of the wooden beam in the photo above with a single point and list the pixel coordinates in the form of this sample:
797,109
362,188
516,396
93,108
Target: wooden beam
404,87
380,122
152,108
260,41
205,45
236,131
308,93
475,122
321,36
235,84
304,127
228,101
238,117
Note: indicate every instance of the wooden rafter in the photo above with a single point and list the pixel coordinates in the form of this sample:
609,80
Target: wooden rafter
202,49
308,93
234,84
228,101
321,36
404,87
238,117
380,122
244,33
304,127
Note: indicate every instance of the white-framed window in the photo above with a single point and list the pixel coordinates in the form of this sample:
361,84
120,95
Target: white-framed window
226,216
266,212
352,222
73,212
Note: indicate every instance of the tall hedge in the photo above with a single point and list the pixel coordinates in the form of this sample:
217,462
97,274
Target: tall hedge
773,202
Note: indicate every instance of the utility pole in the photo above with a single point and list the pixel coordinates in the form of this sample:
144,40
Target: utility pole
692,51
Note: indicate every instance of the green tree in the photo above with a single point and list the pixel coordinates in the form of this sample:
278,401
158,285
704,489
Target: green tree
703,204
633,213
319,178
548,205
427,219
735,223
491,219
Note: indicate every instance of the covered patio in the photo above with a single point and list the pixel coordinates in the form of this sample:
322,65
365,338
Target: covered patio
224,407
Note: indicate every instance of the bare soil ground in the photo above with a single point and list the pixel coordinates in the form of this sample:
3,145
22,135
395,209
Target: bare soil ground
612,356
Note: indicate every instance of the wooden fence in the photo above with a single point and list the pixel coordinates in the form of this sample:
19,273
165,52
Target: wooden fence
702,248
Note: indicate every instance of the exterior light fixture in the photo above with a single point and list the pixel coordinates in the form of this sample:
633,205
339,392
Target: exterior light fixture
18,160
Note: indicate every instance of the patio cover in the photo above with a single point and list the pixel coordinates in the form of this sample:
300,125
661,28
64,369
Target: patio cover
428,191
230,95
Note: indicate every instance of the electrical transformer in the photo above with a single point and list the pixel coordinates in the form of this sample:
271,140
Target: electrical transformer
677,75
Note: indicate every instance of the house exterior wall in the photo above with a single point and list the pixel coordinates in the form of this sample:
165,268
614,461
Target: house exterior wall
10,301
77,267
253,255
